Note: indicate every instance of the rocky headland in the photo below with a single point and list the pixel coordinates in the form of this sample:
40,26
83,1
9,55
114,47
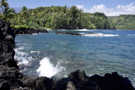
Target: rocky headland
12,79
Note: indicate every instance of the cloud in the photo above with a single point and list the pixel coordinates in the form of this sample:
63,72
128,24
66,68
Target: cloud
81,7
116,11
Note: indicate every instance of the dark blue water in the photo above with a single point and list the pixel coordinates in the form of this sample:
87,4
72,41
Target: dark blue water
104,52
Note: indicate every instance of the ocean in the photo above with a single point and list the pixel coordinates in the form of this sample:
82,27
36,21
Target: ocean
95,51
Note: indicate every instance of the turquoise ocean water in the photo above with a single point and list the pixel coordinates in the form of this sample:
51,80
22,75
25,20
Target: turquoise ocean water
103,51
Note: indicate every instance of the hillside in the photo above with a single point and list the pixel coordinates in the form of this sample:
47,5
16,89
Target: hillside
63,17
124,21
56,17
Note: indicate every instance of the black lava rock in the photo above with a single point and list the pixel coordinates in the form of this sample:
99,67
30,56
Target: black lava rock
112,82
12,79
28,31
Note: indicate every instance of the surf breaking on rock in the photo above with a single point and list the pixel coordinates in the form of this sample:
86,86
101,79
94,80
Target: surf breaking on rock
12,79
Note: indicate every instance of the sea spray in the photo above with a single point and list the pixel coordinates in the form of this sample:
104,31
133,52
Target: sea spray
22,57
47,69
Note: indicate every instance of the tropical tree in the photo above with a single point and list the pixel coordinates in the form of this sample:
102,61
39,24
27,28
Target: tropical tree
4,6
6,11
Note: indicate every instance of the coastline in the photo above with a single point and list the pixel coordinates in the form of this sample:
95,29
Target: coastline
60,31
12,79
28,31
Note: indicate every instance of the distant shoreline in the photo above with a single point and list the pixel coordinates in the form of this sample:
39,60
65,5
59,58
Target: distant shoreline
28,31
31,31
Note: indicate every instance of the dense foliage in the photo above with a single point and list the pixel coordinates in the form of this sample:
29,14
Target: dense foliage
124,21
54,17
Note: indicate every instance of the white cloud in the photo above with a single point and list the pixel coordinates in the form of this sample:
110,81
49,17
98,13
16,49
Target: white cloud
81,7
116,11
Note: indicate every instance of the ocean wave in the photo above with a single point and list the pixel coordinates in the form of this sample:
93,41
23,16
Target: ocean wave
81,30
100,35
22,57
20,48
47,69
34,52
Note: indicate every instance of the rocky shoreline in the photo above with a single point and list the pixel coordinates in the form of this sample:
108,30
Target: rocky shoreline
12,79
28,31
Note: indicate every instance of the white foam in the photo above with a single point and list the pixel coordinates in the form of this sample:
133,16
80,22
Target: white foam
84,30
20,48
47,69
35,51
20,53
24,61
81,30
100,35
22,57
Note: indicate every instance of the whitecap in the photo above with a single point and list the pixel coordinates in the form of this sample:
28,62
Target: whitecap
34,52
84,30
47,69
24,61
100,35
22,57
20,48
81,30
20,53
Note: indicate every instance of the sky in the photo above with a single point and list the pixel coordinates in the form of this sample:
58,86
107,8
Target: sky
109,7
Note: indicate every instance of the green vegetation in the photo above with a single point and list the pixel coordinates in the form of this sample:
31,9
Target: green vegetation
53,17
59,18
124,22
6,12
56,17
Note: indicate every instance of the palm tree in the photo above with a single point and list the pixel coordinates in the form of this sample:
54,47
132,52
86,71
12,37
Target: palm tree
6,11
4,6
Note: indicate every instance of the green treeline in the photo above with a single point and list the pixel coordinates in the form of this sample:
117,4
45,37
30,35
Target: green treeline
60,18
54,17
124,21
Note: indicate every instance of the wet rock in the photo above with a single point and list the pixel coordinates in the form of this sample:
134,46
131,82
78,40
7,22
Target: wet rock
28,31
76,81
70,86
112,82
4,85
61,84
41,83
9,72
9,37
11,76
78,75
7,45
82,82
